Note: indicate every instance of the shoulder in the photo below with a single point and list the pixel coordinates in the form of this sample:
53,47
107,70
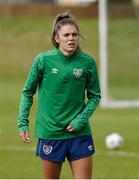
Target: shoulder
42,57
49,53
86,56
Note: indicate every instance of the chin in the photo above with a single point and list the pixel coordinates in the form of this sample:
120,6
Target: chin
72,49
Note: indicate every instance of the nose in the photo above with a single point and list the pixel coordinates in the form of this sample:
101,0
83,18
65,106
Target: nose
71,37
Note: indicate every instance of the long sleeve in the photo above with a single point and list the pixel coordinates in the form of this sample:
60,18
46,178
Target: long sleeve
34,77
93,95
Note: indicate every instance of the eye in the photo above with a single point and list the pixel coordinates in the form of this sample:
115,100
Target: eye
74,34
66,34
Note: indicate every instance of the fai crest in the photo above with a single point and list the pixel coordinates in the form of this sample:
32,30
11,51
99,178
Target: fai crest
47,149
77,72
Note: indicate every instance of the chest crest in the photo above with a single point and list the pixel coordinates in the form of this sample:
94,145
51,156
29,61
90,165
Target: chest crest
77,72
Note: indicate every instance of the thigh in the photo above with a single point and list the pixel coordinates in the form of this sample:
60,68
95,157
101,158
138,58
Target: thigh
52,153
82,168
51,169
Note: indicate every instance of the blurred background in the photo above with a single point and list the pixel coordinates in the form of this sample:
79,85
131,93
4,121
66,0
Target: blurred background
25,31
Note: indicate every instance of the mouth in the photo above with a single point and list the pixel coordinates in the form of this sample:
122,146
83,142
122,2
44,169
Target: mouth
72,44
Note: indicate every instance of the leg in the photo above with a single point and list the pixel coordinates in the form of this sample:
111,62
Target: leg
82,168
51,169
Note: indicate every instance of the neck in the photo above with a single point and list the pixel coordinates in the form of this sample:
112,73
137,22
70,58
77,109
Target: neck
67,53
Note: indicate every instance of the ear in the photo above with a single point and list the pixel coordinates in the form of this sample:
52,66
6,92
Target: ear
57,38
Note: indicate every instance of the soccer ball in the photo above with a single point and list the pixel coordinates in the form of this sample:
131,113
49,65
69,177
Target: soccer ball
114,141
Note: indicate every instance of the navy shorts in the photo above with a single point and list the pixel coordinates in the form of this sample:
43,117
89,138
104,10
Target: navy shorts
72,149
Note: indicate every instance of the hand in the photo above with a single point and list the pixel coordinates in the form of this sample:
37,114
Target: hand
70,128
24,135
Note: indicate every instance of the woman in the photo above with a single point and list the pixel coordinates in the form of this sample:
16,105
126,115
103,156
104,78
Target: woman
62,76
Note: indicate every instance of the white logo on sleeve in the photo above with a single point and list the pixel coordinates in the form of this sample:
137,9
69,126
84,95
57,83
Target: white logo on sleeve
47,149
77,72
54,70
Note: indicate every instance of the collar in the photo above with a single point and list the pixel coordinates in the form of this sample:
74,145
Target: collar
65,57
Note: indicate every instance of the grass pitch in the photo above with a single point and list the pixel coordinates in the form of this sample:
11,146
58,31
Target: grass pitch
21,39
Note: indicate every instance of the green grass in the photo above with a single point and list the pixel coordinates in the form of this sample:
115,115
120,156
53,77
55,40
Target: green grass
21,38
123,58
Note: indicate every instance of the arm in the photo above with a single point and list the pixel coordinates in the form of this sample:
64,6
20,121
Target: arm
93,95
34,76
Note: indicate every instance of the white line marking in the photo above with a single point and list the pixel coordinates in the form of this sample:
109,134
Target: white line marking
17,148
99,153
118,153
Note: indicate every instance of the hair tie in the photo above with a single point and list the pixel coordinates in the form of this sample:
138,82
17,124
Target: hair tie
63,17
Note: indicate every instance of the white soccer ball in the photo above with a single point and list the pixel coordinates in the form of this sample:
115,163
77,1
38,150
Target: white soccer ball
114,141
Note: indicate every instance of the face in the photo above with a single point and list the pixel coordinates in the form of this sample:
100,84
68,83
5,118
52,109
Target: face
67,37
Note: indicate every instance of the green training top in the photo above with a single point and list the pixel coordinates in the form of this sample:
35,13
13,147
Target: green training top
61,81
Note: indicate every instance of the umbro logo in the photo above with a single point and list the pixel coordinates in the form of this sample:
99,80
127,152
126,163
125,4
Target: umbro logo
54,70
90,147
